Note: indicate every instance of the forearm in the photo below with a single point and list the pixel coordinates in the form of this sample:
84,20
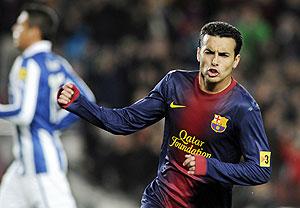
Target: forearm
243,173
92,113
139,115
117,121
8,110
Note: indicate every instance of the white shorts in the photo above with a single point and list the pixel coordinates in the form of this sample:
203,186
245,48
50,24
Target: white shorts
38,191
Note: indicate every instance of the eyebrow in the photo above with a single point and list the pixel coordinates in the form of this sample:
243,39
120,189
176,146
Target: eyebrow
220,53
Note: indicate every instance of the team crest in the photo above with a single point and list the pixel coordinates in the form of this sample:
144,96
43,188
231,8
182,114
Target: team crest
219,123
22,73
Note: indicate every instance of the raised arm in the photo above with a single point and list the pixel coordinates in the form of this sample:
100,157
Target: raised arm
117,121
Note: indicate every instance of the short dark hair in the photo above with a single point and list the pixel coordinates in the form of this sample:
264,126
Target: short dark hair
43,17
222,29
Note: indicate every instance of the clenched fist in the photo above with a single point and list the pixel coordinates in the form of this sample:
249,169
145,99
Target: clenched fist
65,94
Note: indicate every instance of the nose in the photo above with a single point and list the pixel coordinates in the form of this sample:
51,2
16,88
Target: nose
15,28
214,61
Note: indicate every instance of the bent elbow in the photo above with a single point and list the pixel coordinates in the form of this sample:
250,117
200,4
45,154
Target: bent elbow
265,175
123,132
268,175
21,119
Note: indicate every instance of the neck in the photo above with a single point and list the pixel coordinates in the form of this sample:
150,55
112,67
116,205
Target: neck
23,48
213,88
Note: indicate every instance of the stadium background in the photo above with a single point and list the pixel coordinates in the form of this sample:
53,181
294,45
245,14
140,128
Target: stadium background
123,47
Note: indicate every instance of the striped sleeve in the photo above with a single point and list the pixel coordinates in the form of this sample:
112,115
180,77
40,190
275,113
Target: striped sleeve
24,85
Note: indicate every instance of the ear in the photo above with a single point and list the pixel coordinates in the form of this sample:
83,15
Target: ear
198,53
236,61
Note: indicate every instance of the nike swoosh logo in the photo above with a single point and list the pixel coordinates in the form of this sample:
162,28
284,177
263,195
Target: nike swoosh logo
172,105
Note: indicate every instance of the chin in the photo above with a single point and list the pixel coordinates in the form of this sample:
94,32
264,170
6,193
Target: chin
213,79
16,44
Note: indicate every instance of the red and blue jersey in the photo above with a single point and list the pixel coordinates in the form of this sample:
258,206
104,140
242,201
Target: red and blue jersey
225,130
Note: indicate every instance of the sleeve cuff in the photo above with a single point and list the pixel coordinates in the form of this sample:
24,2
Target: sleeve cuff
201,165
75,96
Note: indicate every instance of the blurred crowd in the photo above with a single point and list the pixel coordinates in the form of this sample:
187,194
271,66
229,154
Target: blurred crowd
122,48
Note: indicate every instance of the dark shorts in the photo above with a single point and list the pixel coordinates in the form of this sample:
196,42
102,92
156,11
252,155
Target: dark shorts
150,199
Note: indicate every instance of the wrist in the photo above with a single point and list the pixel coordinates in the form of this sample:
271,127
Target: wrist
201,165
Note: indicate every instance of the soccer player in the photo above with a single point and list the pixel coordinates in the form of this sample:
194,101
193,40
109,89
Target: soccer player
37,176
214,136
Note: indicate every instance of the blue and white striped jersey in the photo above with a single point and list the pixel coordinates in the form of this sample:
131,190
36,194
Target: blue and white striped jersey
34,80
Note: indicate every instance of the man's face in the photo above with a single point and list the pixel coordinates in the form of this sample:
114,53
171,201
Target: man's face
21,32
217,60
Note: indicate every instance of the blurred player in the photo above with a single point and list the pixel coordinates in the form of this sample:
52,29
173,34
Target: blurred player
211,123
37,176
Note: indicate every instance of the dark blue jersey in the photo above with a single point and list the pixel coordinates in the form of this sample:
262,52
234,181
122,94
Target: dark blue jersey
225,130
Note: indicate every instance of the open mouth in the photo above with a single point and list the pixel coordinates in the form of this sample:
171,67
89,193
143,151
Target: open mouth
212,72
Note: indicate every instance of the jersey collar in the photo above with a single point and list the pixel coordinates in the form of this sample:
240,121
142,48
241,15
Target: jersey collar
40,46
223,92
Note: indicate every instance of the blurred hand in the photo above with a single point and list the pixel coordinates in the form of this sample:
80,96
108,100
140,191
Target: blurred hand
190,162
66,94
